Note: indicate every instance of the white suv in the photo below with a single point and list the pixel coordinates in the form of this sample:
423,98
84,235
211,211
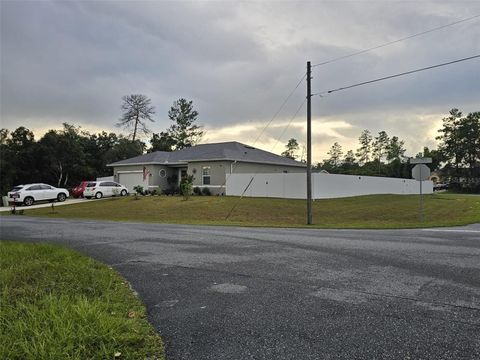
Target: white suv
30,193
99,189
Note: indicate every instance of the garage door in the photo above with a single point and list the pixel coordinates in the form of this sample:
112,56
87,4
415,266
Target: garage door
130,180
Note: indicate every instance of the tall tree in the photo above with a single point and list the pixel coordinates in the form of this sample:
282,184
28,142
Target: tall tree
365,149
136,110
395,149
450,144
63,155
469,134
291,148
335,153
380,145
184,131
161,142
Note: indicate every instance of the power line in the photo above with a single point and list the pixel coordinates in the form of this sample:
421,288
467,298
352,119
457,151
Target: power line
288,125
235,165
396,75
253,177
396,41
279,109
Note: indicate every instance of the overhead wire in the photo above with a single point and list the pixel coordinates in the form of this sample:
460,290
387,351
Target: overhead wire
279,109
235,165
256,173
395,75
396,41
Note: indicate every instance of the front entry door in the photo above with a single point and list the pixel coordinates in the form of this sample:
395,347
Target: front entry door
182,175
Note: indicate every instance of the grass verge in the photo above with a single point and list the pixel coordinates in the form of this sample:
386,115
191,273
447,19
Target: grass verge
58,304
375,211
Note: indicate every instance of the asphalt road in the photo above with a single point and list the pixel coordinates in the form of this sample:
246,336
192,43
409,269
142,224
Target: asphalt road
254,293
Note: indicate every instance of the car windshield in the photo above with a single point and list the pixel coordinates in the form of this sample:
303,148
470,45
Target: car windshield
17,188
92,184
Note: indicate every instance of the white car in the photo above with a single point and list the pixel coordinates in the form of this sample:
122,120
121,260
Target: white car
30,193
99,189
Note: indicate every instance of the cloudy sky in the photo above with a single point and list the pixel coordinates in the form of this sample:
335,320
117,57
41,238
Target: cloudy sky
67,61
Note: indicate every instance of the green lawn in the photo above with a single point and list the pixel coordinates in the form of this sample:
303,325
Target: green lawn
58,304
376,211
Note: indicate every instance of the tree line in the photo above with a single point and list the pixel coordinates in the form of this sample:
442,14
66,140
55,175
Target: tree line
457,158
70,155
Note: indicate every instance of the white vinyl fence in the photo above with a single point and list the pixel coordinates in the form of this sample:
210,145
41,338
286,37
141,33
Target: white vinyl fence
294,186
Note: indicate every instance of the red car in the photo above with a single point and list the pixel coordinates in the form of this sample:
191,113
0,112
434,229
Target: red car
78,190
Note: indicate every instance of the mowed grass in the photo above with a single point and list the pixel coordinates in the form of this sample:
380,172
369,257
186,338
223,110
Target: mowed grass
376,211
58,304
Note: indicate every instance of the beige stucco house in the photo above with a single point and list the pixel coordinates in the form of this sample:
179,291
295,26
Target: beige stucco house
210,165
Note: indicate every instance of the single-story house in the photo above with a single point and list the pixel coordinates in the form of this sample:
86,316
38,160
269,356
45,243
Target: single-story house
210,165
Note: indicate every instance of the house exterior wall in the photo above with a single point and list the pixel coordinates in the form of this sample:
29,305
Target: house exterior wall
219,172
154,179
218,169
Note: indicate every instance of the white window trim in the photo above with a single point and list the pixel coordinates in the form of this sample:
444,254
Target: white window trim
209,175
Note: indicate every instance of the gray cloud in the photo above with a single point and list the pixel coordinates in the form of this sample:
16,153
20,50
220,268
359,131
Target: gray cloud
73,61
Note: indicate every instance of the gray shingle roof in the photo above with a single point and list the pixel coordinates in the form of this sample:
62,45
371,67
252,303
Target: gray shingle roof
232,151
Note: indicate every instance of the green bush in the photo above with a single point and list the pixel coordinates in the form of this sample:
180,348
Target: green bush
186,186
138,190
206,191
197,190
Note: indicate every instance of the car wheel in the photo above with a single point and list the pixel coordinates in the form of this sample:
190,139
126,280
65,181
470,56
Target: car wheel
98,195
123,193
28,201
61,197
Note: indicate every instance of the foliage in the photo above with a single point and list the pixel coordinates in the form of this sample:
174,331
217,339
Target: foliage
395,149
206,191
61,157
335,153
162,142
291,148
197,191
138,189
186,186
184,132
460,146
136,109
58,304
364,151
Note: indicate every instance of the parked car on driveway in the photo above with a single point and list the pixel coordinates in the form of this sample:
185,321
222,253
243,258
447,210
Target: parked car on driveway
31,193
78,190
438,187
99,189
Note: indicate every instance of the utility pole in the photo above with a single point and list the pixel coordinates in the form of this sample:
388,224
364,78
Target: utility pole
309,145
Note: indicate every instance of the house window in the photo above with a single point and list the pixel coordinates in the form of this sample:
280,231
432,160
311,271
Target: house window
206,175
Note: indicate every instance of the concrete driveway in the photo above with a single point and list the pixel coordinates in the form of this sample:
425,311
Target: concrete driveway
254,293
44,204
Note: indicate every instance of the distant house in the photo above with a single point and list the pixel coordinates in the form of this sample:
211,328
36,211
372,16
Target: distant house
210,165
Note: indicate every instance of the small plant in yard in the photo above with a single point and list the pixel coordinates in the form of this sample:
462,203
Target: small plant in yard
206,192
138,191
197,191
186,186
